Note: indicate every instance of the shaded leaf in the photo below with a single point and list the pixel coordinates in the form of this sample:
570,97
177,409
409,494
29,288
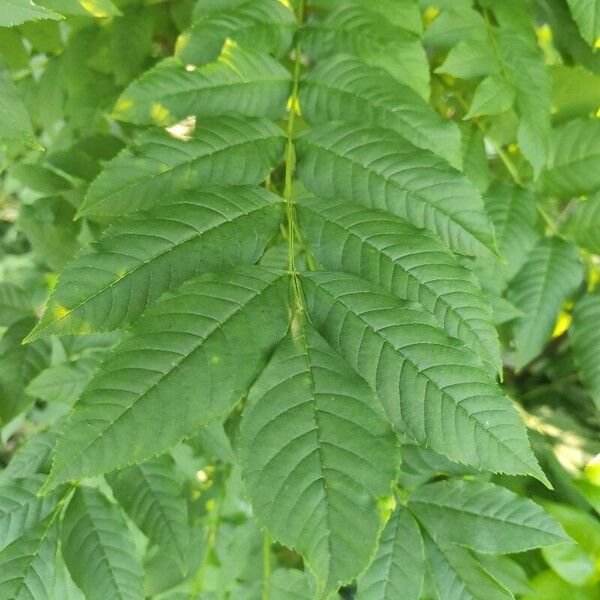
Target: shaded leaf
550,275
97,549
152,495
398,569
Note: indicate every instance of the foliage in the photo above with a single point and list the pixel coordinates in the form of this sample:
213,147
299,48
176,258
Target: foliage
299,299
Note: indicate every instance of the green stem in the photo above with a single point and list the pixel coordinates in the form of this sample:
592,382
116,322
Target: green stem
500,152
290,158
198,584
266,564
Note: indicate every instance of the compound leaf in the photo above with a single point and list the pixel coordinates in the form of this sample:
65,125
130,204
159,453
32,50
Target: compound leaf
352,28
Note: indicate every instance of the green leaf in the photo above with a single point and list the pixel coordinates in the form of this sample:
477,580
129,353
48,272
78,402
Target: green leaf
494,95
470,58
15,124
15,303
584,339
64,382
241,81
290,584
483,516
48,224
456,22
428,464
401,13
346,88
574,165
398,569
30,458
586,13
354,29
506,572
64,587
583,224
475,160
152,495
566,79
141,257
27,565
458,576
407,261
21,508
438,391
19,364
548,278
223,150
86,8
511,52
97,549
380,169
514,215
15,12
522,61
317,451
197,352
39,178
263,25
131,36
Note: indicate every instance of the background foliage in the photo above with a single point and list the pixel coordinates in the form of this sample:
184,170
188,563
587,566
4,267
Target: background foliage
262,265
